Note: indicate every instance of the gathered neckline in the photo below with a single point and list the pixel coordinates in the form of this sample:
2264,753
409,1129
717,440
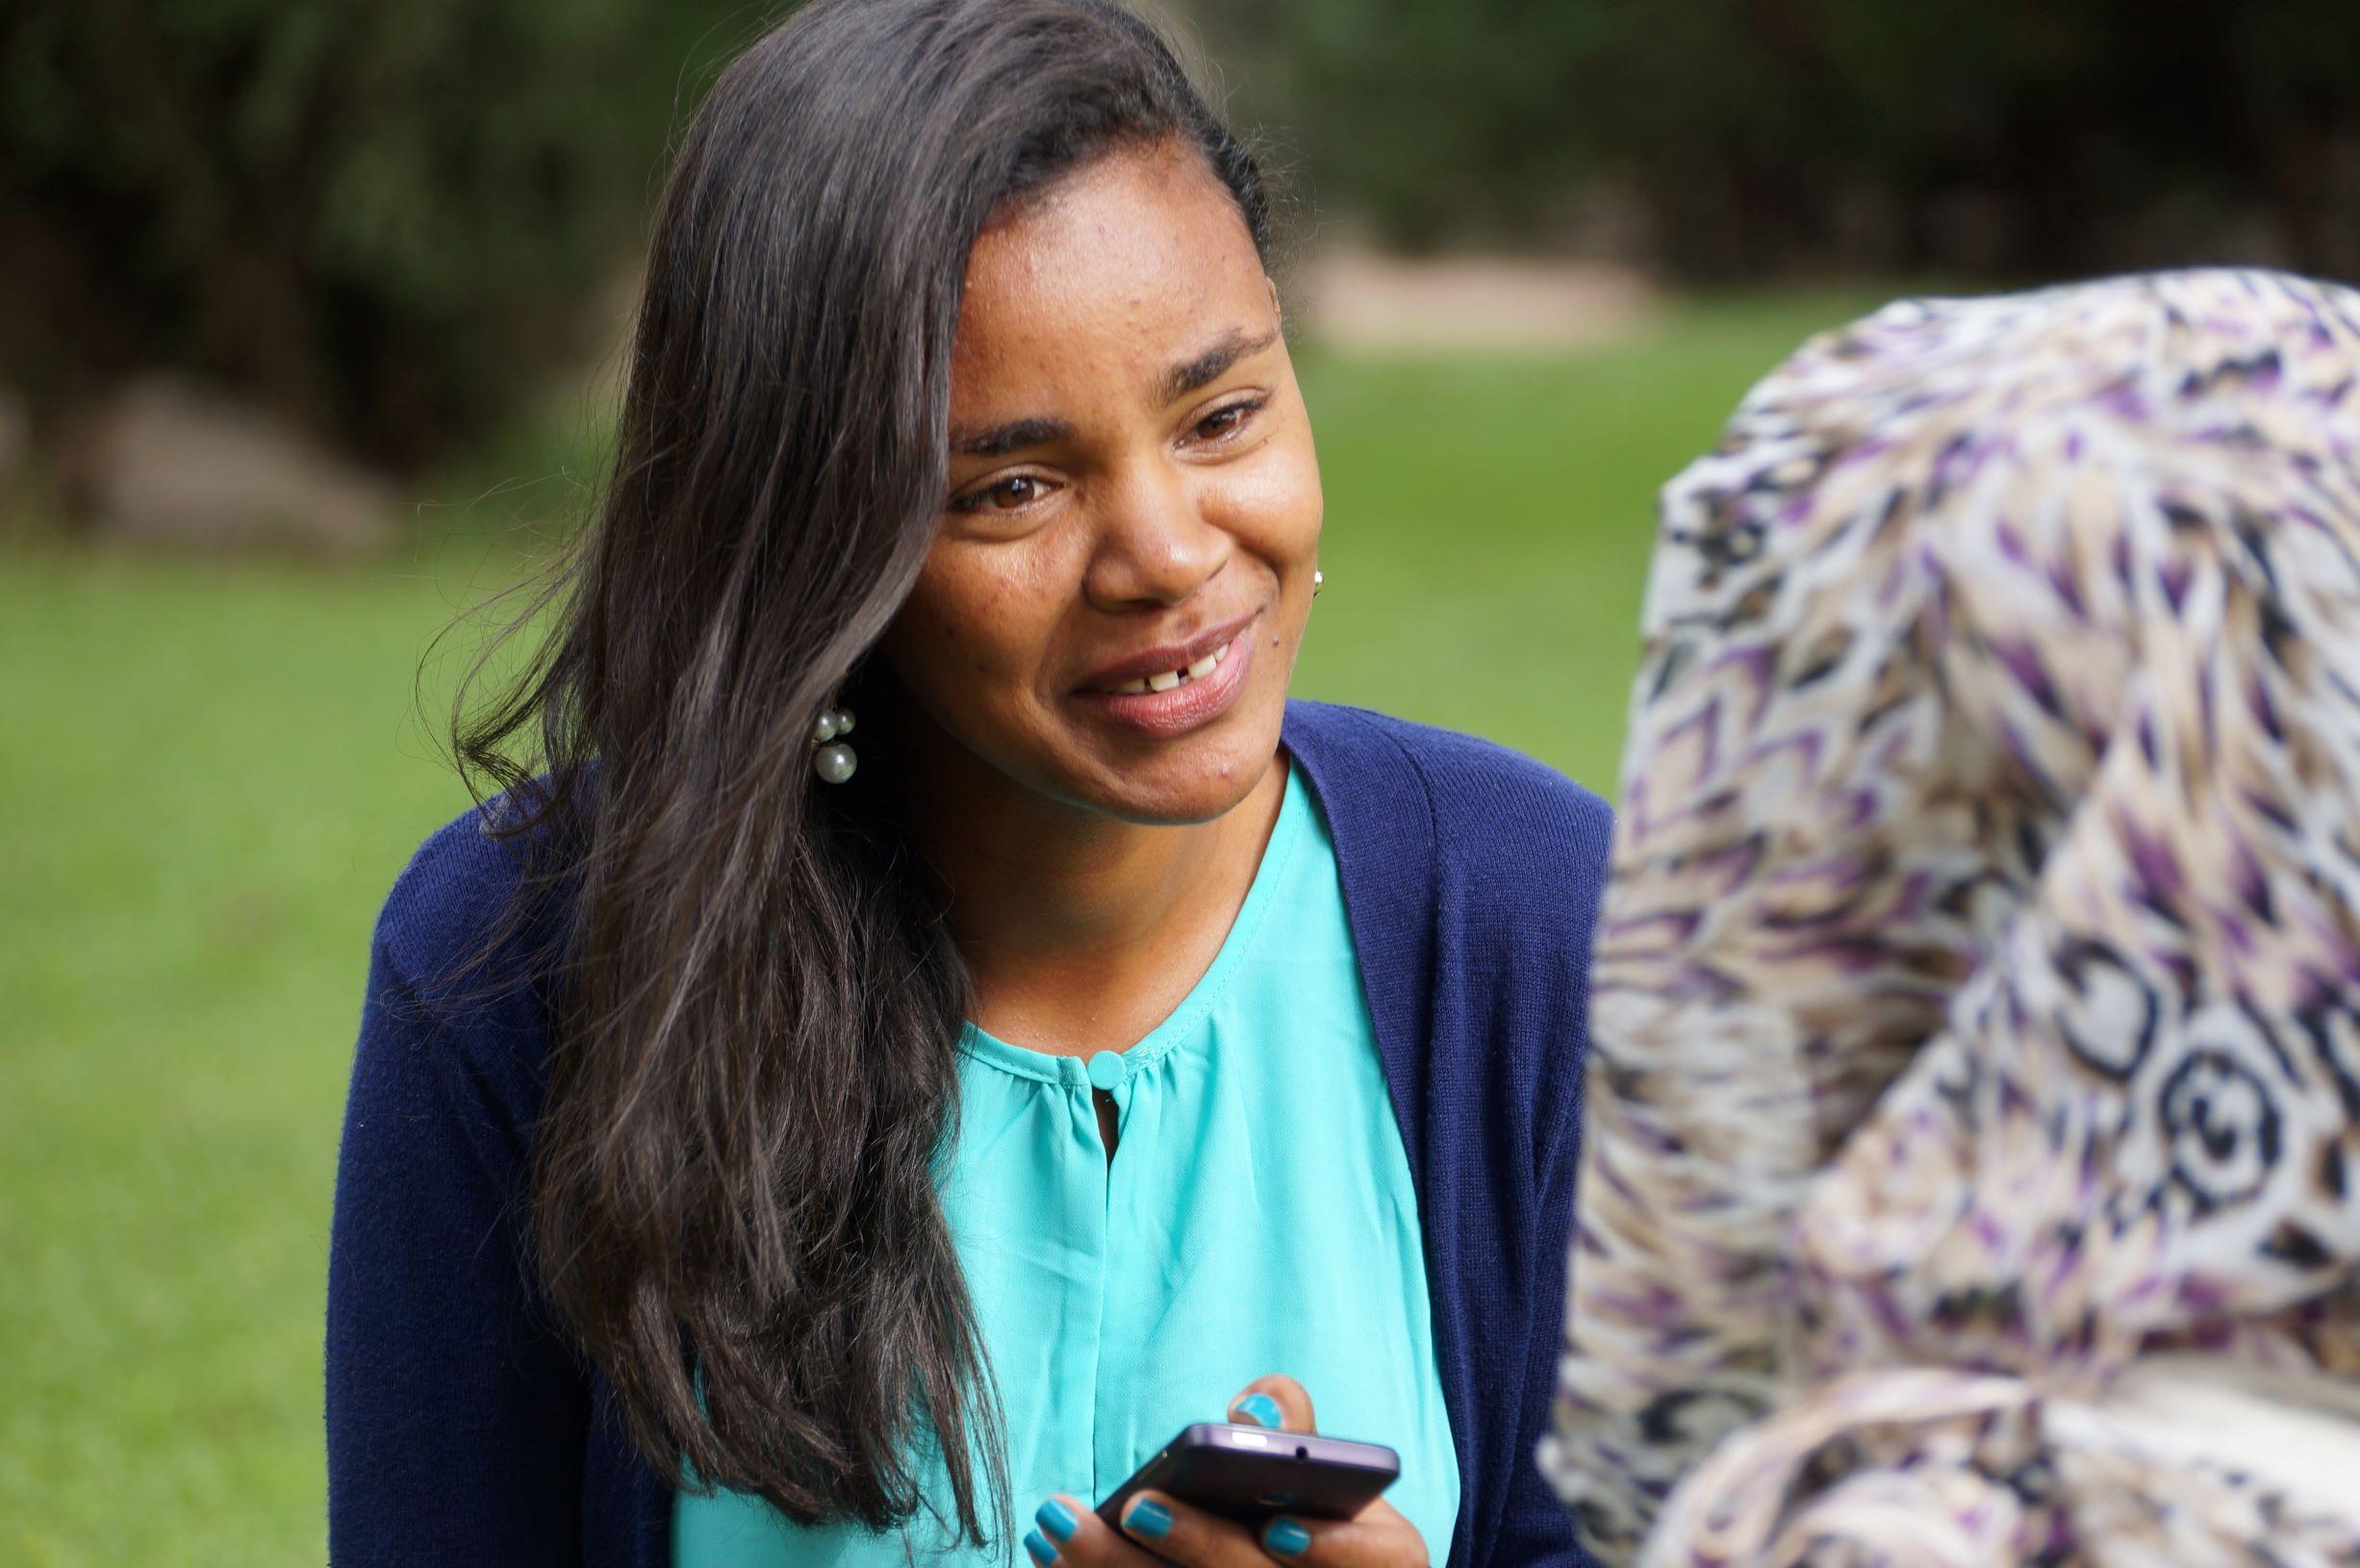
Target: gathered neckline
1180,1025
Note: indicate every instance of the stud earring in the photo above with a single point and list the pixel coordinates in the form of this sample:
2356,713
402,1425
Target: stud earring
831,759
1318,577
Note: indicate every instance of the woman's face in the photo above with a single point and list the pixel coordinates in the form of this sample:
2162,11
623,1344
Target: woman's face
1133,502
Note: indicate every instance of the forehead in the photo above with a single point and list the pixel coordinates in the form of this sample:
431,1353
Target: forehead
1114,271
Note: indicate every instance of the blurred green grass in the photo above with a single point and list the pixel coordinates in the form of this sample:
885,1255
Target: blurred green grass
214,772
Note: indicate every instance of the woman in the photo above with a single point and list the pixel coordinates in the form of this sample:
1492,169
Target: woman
943,1019
1973,1156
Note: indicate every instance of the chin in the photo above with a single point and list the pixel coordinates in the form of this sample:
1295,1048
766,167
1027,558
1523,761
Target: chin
1192,778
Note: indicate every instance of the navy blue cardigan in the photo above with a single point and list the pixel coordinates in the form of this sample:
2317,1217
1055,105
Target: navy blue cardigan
462,1429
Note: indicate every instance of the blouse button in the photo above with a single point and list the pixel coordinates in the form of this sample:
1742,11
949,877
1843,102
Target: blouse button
1106,1070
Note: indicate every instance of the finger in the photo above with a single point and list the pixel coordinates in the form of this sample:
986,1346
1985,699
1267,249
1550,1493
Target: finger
1067,1531
1378,1536
1275,1400
1190,1536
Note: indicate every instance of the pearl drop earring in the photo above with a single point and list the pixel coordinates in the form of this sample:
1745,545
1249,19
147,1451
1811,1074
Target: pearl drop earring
1319,580
833,760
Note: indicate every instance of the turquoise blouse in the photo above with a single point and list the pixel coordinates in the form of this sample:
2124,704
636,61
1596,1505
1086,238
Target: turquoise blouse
1257,1217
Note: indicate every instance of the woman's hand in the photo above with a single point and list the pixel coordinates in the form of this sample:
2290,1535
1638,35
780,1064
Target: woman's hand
1159,1529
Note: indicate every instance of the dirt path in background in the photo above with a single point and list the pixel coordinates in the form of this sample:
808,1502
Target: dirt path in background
1355,299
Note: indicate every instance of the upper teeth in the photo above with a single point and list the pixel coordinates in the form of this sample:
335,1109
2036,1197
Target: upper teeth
1172,677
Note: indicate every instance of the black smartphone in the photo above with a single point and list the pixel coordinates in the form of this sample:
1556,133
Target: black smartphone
1251,1474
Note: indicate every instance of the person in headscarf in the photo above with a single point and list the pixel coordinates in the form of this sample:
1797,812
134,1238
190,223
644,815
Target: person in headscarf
1972,1163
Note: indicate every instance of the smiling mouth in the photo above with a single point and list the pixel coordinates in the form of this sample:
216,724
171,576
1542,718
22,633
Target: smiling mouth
1164,704
1166,681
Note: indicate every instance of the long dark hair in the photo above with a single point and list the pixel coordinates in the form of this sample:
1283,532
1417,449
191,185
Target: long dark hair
753,1083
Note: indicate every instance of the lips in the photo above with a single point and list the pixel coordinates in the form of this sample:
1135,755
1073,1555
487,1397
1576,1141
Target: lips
1165,680
1174,690
1179,660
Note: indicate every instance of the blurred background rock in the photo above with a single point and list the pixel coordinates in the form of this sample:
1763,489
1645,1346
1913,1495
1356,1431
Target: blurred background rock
310,319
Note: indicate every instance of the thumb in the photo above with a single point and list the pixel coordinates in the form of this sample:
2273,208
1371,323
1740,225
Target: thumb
1277,1402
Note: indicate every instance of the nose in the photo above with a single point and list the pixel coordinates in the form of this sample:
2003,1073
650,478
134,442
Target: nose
1156,543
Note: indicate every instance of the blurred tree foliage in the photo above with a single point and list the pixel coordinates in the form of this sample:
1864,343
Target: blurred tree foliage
390,217
1739,139
385,218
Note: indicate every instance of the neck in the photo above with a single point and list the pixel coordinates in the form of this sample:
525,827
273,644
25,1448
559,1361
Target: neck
1080,930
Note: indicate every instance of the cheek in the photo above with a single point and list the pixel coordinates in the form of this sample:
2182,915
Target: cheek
972,638
1274,505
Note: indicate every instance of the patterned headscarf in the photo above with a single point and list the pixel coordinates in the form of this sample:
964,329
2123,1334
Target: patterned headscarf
1972,1172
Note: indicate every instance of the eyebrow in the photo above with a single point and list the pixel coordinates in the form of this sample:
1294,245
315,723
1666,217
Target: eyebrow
1182,379
1015,435
1000,439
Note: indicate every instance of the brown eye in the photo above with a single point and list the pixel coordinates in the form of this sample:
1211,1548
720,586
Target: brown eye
1221,421
1010,494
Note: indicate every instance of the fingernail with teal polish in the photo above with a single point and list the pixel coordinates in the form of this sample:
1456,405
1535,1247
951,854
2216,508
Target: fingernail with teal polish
1056,1521
1286,1538
1261,1409
1150,1519
1042,1552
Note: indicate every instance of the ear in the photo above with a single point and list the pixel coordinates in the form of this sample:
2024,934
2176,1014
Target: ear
1272,284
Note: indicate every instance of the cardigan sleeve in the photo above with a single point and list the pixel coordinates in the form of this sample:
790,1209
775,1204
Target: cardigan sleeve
1553,943
1535,1528
455,1420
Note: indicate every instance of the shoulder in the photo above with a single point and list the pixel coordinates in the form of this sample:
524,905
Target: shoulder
1467,866
1403,786
451,898
470,938
456,1020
